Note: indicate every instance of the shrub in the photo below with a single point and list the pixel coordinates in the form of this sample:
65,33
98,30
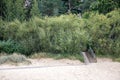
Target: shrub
3,59
8,46
15,58
63,34
104,31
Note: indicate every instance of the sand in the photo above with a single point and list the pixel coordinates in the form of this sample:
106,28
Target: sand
64,69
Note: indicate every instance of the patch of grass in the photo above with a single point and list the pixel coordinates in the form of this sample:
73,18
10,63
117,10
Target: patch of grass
2,54
57,56
3,59
117,59
14,58
114,58
104,56
17,58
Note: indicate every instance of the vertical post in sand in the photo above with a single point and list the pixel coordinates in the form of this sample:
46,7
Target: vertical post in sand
86,60
89,57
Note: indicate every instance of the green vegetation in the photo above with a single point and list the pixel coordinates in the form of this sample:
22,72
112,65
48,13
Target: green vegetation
14,58
105,6
52,26
117,59
66,34
9,46
56,56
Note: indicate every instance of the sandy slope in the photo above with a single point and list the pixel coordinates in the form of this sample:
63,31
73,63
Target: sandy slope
49,69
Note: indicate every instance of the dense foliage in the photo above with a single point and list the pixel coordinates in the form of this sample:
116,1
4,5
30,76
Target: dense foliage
105,6
24,27
63,34
15,9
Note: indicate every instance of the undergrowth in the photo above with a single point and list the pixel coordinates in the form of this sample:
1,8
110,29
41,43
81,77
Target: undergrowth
57,56
63,35
14,58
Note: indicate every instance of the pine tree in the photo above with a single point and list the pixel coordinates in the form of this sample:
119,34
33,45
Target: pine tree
13,9
35,10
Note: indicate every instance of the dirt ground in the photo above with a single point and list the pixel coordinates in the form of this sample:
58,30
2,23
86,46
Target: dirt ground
64,69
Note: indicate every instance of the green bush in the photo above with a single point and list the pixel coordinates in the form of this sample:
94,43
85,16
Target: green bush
105,30
9,46
63,34
66,34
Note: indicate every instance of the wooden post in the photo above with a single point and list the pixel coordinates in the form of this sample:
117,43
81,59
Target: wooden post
86,60
88,57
